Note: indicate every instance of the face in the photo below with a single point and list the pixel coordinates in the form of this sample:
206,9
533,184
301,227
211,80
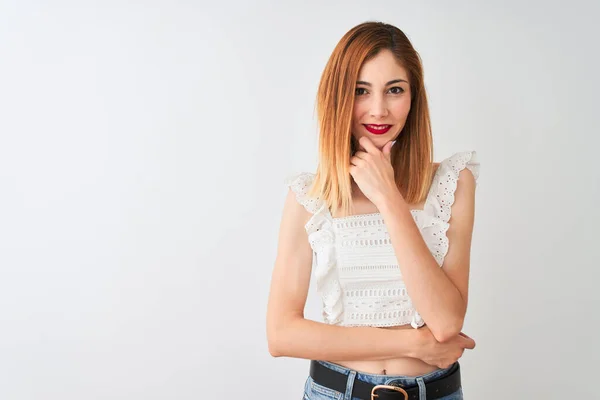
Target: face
382,99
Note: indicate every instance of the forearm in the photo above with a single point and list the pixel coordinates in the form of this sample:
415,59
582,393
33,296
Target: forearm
302,338
433,294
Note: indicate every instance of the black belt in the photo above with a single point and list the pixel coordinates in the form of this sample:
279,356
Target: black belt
335,380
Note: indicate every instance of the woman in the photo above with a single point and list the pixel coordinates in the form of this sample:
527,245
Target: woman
391,265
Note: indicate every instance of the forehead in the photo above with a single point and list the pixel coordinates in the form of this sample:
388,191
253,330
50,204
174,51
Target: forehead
382,68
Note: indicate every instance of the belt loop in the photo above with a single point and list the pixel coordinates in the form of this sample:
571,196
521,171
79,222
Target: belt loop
422,389
350,385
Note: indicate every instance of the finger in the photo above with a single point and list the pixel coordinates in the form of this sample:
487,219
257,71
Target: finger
469,344
387,150
368,145
470,340
361,154
465,335
357,161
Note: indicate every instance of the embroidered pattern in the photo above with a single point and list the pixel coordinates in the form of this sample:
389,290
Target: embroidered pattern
357,273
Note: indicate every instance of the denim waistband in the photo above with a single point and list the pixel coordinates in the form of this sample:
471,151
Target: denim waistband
377,379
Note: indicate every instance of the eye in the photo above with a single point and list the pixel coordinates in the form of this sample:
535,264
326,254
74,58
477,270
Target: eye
358,91
397,90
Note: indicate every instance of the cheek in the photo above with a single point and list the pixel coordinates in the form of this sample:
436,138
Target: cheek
360,108
401,108
355,116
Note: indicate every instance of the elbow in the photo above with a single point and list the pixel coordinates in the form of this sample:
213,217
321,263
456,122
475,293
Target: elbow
276,341
273,344
280,337
448,331
274,350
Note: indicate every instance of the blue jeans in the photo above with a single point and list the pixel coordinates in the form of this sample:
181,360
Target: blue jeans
314,391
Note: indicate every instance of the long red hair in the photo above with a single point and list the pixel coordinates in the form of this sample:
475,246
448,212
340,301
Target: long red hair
412,154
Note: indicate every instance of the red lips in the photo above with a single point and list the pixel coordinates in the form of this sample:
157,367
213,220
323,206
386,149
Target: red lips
377,129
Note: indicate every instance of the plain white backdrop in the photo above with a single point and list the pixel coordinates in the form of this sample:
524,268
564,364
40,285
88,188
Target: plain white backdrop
143,151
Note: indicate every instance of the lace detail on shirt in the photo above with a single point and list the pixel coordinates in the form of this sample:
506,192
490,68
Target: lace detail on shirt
357,272
439,202
300,185
322,240
437,210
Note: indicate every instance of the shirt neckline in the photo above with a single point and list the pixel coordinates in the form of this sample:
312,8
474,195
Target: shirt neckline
376,214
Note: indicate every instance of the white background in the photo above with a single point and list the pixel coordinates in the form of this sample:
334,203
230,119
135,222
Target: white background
143,151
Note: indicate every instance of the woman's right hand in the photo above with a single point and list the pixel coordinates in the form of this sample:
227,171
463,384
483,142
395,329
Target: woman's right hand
440,354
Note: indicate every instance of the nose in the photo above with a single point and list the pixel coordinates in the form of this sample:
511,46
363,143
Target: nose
378,107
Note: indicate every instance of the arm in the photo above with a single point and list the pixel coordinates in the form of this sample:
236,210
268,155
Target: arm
440,294
290,334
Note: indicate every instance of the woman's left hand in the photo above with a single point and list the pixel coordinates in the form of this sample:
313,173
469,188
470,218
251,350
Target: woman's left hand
373,172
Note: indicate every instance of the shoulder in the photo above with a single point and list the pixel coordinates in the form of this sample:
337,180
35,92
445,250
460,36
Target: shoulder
461,171
462,165
454,181
298,207
311,210
300,181
299,185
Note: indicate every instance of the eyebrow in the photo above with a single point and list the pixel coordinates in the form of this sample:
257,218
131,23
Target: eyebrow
387,84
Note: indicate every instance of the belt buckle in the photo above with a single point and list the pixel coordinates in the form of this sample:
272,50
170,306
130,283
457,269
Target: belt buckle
396,388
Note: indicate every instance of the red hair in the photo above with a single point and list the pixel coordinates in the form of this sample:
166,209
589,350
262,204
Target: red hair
412,154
